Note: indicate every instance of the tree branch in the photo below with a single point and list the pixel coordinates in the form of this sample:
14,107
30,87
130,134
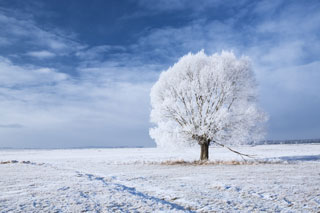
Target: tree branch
232,150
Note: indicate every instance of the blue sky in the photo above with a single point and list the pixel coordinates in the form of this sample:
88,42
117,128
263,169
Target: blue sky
78,73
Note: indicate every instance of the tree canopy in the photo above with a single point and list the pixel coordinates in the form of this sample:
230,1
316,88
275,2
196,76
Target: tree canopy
203,99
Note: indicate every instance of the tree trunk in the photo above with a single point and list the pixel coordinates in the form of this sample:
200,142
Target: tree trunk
204,155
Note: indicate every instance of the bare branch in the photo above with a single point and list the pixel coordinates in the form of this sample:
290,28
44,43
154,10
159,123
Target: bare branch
232,150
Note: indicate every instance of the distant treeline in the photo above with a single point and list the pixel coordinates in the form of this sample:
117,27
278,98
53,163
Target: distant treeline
302,141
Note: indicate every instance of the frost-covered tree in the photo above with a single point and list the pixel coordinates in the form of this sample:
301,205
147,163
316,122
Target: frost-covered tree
206,99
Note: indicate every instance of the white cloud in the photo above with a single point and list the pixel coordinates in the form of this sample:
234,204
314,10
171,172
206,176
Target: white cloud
12,75
4,41
96,54
11,126
194,6
284,45
23,31
102,102
110,98
41,54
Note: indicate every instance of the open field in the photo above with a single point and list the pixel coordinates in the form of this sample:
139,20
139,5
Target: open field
287,179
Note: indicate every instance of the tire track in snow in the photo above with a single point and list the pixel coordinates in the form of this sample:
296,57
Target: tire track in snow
131,190
111,188
121,188
121,197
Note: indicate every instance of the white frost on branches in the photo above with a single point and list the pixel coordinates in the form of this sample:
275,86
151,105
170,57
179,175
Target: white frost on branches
206,98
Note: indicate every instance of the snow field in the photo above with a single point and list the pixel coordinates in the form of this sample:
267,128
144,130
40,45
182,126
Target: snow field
133,180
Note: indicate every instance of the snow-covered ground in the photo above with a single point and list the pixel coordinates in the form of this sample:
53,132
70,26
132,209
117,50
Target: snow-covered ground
136,180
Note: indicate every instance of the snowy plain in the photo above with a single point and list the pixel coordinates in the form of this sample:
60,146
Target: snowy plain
281,178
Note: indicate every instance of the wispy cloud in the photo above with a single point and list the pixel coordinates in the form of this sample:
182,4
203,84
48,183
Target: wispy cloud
12,75
101,102
23,33
41,54
13,126
281,38
101,93
184,5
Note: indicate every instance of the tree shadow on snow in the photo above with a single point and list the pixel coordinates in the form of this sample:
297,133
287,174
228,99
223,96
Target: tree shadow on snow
301,158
